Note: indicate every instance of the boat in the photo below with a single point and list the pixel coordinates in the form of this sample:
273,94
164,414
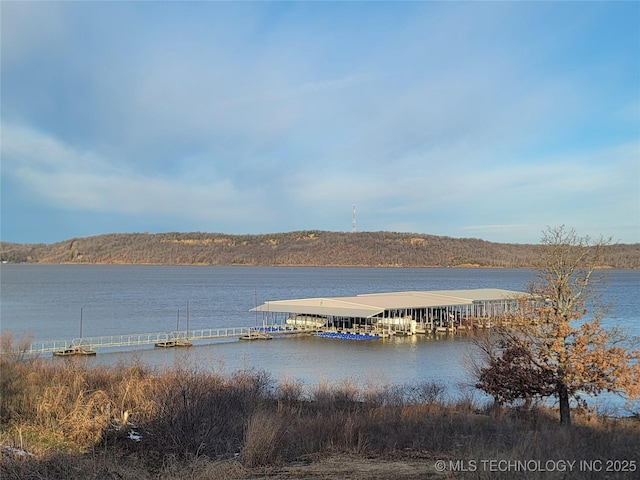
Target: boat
306,321
257,333
75,350
78,349
177,341
183,342
256,336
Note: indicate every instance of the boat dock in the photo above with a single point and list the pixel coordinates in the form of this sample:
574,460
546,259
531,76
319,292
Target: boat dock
367,316
397,313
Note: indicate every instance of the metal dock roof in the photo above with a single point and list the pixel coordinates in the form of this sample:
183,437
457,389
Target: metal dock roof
372,304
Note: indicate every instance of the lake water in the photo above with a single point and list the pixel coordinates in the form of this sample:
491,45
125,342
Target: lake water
45,301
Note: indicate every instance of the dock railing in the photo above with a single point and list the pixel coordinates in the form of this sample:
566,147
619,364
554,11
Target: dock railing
139,339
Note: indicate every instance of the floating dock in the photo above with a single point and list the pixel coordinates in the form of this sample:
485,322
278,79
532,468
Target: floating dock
161,339
367,316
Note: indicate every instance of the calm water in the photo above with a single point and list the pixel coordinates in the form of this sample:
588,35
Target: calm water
45,301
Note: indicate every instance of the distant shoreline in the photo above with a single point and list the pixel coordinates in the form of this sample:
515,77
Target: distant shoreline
295,249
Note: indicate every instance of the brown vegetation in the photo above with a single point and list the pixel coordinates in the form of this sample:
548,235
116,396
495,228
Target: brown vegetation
554,344
303,248
63,420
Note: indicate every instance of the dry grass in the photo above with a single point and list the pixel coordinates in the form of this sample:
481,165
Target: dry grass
132,421
264,439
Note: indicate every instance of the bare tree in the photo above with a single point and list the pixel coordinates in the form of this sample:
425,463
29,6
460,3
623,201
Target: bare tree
554,343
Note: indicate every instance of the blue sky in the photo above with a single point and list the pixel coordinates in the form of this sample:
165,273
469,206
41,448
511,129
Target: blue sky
489,120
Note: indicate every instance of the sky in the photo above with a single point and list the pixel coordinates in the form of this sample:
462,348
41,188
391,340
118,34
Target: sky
491,120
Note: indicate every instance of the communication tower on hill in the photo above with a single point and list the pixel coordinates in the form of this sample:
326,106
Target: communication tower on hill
353,220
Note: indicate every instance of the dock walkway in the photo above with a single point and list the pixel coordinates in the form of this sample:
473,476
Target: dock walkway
139,339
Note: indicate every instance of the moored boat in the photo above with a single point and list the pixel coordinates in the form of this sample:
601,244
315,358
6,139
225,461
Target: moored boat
256,336
75,350
80,349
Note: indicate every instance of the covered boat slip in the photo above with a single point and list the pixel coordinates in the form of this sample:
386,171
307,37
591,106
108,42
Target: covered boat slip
395,312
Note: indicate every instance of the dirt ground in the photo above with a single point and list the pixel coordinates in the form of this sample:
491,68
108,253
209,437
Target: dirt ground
411,466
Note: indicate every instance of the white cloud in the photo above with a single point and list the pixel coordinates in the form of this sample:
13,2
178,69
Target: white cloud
78,180
425,115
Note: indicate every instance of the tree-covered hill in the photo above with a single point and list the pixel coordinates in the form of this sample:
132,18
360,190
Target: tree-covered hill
302,248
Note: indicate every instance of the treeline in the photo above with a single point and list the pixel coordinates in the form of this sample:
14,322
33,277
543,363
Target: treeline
302,248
